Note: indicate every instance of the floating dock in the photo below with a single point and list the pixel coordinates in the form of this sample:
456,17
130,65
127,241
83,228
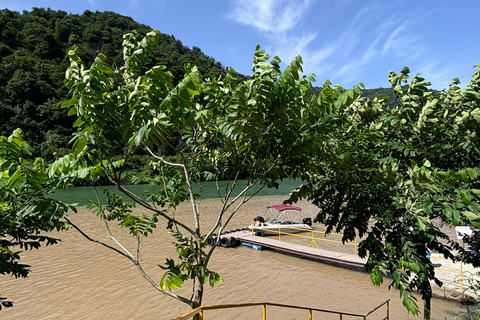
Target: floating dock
345,260
450,273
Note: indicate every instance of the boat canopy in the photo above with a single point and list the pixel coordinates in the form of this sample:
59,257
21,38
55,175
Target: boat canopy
283,207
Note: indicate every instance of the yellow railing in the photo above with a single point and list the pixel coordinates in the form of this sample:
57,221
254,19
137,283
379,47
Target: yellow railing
453,271
200,310
312,237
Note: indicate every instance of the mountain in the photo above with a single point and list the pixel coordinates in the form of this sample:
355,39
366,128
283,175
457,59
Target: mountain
33,47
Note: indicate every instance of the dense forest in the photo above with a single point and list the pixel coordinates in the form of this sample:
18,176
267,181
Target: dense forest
33,60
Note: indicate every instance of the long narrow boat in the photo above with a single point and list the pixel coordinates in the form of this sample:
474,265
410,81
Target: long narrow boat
282,218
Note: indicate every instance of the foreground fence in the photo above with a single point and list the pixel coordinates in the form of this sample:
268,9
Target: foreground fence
201,310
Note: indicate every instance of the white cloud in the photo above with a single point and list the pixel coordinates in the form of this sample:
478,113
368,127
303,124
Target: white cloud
373,37
400,43
280,22
269,15
290,47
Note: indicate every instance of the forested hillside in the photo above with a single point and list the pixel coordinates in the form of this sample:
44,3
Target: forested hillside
391,101
33,47
33,60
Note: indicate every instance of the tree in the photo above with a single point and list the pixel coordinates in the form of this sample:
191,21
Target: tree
394,175
26,211
214,129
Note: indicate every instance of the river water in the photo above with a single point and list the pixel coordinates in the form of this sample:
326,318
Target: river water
78,279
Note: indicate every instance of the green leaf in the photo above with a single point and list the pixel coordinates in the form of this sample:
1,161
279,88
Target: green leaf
376,277
423,222
203,278
473,217
163,284
78,122
104,68
463,175
68,103
466,196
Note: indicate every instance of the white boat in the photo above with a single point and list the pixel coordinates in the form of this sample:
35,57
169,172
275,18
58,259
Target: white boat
284,220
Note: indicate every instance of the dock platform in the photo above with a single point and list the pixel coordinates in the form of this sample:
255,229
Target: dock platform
345,260
454,275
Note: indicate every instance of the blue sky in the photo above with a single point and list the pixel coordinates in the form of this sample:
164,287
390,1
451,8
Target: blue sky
346,41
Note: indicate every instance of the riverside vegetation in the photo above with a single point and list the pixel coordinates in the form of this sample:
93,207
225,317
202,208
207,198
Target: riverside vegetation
403,167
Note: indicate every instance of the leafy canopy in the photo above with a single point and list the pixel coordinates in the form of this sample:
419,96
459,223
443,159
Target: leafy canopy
394,176
26,211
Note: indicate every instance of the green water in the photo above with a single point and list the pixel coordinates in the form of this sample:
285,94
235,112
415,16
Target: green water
82,194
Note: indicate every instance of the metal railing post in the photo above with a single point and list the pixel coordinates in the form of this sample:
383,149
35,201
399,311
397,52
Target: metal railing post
264,312
388,310
355,245
200,315
461,277
310,314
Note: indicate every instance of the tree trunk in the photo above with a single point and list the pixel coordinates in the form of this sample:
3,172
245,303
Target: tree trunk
427,310
195,304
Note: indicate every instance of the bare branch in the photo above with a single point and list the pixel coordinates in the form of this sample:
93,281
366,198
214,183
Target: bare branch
99,242
146,205
133,260
196,216
226,206
242,203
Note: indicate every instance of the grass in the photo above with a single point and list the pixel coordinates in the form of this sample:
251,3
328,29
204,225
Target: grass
82,194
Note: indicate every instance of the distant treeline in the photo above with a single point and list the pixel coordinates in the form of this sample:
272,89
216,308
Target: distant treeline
391,101
33,47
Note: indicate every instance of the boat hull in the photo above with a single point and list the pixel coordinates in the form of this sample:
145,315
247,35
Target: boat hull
280,228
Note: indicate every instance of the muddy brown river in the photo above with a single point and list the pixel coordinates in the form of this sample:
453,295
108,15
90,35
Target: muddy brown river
78,279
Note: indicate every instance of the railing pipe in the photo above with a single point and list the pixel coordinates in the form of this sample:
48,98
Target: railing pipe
461,277
201,309
378,307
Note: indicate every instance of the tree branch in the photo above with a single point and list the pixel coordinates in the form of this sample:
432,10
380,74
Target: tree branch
190,190
144,204
133,260
99,242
